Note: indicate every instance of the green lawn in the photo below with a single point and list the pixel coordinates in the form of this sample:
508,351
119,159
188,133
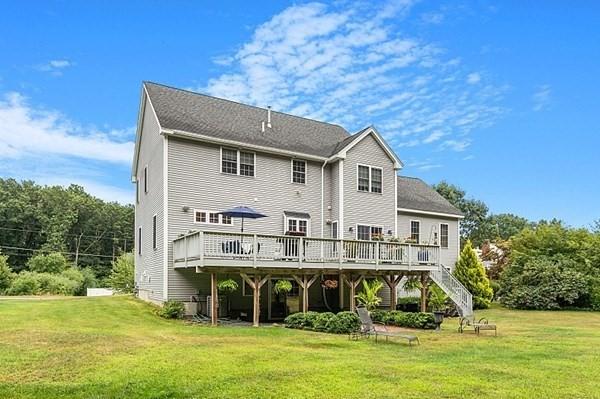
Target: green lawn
116,347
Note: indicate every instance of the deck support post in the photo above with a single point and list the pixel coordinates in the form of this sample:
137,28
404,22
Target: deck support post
353,281
214,300
392,282
256,284
341,291
424,276
305,284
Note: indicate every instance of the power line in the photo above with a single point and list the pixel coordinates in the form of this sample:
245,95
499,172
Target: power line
99,237
62,252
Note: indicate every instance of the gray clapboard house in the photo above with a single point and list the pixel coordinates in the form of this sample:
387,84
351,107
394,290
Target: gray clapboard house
337,210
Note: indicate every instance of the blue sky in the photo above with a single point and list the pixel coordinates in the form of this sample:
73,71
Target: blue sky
500,98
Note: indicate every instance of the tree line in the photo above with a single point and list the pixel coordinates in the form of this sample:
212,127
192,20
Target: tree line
89,232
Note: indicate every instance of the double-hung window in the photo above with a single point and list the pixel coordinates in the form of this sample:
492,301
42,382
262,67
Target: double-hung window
298,171
444,235
236,162
208,217
415,231
296,225
367,233
369,179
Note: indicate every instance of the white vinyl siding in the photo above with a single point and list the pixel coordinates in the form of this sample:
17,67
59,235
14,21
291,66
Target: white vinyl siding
236,162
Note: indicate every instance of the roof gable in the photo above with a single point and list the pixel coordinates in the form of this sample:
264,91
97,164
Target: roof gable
416,195
350,142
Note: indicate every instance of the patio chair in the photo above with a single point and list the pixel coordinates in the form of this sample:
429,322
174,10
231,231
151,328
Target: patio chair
369,328
481,324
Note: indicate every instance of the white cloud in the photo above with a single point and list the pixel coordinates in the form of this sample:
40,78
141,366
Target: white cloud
455,145
350,65
433,18
473,78
541,98
424,166
26,130
104,191
55,67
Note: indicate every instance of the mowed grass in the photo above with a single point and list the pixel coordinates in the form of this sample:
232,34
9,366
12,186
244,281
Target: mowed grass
117,348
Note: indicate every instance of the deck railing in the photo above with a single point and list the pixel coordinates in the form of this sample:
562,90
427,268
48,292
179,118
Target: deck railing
261,248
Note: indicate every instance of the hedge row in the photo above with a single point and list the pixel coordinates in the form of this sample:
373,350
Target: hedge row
420,320
341,323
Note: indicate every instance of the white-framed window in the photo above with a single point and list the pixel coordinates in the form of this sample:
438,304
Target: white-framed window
211,217
298,171
146,186
154,241
444,235
369,179
415,231
297,225
236,162
367,232
139,241
334,229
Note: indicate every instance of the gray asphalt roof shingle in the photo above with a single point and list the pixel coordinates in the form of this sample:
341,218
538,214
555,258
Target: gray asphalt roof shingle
183,110
415,194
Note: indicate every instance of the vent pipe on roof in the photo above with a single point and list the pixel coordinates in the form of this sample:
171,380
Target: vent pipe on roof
269,117
262,129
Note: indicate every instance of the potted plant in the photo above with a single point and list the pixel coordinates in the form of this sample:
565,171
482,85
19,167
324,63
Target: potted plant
369,297
437,302
281,288
226,287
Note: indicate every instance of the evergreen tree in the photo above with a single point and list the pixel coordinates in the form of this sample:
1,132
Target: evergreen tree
470,272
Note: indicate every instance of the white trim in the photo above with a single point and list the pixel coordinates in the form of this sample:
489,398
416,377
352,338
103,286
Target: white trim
233,143
238,163
341,197
358,165
371,130
208,212
370,226
396,233
410,229
448,215
165,218
292,171
144,98
448,235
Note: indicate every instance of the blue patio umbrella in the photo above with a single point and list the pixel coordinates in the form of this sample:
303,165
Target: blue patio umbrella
244,212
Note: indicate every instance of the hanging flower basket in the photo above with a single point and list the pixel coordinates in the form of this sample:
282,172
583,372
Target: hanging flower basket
329,284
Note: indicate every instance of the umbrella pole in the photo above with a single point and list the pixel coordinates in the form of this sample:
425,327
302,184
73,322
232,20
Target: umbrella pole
242,224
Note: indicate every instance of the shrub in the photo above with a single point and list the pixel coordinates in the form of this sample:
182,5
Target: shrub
404,319
295,320
471,273
56,284
542,283
172,310
343,323
320,322
595,295
6,274
52,263
24,284
121,277
85,278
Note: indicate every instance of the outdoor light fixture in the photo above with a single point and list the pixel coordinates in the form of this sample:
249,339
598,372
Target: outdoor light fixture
185,208
351,229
